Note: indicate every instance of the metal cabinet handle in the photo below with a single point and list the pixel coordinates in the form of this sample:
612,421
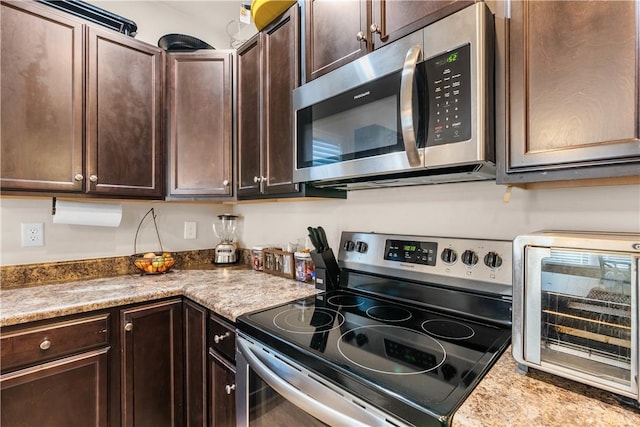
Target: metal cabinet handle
361,37
128,326
229,388
375,28
218,338
256,179
225,182
406,108
45,345
263,178
93,178
78,177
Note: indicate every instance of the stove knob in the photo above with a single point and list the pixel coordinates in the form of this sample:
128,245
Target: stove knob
361,247
469,258
348,245
449,256
492,260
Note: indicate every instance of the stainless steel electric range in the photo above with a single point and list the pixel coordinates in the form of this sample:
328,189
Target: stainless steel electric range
414,325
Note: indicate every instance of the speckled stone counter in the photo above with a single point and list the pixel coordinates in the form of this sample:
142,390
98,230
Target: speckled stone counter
228,292
503,398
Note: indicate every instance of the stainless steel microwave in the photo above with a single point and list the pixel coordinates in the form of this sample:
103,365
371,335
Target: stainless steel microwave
417,111
575,307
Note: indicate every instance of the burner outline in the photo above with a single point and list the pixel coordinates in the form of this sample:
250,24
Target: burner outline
409,315
353,297
311,329
423,371
472,331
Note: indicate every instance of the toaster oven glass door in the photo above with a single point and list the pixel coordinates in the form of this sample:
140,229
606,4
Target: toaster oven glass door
581,315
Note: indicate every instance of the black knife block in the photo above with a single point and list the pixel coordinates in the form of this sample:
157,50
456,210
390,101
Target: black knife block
327,270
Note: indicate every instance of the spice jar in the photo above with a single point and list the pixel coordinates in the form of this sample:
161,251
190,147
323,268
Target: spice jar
257,258
305,271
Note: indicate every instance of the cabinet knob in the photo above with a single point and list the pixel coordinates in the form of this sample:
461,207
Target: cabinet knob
375,28
128,326
218,338
256,179
361,37
225,182
229,388
263,178
78,177
45,345
93,178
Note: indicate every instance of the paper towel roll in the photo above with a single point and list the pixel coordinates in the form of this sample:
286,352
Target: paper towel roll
81,213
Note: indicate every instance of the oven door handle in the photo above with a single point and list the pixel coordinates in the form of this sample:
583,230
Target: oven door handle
341,411
406,106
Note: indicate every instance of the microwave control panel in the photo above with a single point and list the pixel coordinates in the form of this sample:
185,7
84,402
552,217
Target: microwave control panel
449,84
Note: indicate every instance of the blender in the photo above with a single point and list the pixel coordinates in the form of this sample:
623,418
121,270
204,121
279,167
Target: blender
225,229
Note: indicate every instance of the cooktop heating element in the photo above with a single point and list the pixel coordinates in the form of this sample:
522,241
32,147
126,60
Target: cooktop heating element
411,338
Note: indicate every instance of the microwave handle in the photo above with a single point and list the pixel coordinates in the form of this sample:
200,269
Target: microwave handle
406,106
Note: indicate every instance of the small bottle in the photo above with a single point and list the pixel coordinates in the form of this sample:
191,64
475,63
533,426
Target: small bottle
257,258
305,270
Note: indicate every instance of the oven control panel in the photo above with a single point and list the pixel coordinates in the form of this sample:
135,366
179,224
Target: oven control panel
411,251
451,261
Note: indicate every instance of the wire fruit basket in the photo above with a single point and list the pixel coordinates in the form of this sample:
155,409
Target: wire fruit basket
151,262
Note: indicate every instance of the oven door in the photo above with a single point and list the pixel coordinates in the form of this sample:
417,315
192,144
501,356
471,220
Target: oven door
273,390
581,316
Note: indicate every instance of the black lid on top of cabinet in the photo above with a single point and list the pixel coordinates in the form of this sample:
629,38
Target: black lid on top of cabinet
182,42
95,14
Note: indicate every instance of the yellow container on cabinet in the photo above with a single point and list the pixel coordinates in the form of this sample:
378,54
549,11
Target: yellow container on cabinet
264,12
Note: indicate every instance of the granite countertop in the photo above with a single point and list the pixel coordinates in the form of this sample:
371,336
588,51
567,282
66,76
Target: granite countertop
229,292
503,398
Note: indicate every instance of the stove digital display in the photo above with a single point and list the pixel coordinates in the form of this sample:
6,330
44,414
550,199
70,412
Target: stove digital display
415,358
411,251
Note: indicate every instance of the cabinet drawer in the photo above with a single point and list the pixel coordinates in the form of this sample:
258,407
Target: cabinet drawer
222,338
30,345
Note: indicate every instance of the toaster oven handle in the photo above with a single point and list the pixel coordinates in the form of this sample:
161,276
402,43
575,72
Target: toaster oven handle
339,412
406,106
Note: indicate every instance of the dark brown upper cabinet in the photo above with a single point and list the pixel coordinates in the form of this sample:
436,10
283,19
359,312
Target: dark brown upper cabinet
574,92
41,116
124,116
268,71
81,107
200,124
336,33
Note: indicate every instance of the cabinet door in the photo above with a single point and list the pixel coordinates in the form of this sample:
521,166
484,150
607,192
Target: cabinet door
200,125
67,392
124,116
393,19
280,47
41,86
151,365
336,33
574,90
195,364
222,394
249,116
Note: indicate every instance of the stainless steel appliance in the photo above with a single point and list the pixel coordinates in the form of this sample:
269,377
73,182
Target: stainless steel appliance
575,307
414,325
415,112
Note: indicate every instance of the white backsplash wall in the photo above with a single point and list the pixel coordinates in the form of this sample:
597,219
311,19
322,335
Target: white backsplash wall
473,209
69,242
457,210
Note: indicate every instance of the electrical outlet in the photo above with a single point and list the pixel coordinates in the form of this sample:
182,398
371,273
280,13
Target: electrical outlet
190,229
32,234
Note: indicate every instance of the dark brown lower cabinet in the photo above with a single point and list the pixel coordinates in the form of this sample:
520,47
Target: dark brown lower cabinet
222,393
62,393
195,364
152,365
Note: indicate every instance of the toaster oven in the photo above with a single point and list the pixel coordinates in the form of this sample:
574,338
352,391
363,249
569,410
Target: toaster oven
575,307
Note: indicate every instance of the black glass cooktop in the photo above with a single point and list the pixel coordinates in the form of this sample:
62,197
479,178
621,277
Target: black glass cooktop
405,359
